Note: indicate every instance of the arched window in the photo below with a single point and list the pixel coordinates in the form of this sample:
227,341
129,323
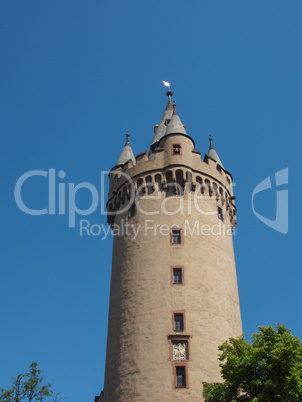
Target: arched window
199,184
208,186
140,187
179,188
158,181
170,185
215,189
149,185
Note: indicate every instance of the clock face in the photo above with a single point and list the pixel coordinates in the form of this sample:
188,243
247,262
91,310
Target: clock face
179,350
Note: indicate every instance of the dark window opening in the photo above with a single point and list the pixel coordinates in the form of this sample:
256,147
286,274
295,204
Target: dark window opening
180,183
176,149
178,322
176,237
180,377
131,211
177,276
220,214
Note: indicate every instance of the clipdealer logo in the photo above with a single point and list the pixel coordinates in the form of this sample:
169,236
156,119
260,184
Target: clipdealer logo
149,227
59,193
62,200
280,223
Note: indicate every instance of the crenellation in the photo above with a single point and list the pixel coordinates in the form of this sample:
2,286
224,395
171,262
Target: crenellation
171,182
151,167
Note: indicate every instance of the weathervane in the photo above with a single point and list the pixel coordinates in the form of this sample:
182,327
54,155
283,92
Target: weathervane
167,84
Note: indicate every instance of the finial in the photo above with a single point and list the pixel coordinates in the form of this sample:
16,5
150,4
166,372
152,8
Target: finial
211,139
127,135
174,108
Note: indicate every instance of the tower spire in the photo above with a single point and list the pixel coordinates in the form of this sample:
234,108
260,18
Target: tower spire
170,122
127,153
166,117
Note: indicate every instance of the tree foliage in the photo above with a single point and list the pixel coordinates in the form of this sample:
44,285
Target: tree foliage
268,370
28,386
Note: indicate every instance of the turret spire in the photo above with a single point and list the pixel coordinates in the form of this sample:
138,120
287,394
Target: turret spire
213,154
166,117
127,153
175,126
170,122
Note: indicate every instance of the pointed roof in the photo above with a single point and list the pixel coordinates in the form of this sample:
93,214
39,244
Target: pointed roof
126,154
213,154
175,126
162,127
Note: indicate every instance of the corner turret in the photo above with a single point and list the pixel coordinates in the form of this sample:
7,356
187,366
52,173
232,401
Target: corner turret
127,153
213,154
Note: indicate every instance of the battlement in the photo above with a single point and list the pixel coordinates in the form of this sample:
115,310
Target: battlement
162,158
163,174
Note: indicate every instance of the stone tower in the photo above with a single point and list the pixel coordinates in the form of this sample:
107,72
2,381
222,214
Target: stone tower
174,295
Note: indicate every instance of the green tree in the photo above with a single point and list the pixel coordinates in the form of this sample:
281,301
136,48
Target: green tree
268,370
28,386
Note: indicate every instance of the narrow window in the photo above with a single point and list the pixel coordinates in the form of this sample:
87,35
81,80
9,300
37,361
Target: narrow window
220,214
176,236
131,211
176,149
178,322
180,377
177,276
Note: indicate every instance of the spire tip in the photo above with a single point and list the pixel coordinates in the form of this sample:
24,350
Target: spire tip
211,139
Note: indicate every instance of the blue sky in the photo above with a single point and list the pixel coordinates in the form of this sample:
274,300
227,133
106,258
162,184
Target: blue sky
75,77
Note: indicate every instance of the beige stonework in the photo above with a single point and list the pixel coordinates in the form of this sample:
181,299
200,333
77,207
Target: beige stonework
171,191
